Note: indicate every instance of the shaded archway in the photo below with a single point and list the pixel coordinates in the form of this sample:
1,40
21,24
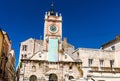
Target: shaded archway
33,78
71,77
53,77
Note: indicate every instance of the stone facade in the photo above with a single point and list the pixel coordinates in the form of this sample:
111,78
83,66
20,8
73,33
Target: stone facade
52,59
37,64
1,52
102,64
6,72
10,67
48,59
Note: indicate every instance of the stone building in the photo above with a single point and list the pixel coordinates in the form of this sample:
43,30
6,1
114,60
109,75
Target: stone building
5,50
10,67
48,59
4,46
101,64
1,47
54,59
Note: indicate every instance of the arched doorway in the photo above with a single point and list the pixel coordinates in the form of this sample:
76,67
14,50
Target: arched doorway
71,77
33,78
53,77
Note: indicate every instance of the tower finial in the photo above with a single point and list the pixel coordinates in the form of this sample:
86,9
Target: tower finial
52,9
52,5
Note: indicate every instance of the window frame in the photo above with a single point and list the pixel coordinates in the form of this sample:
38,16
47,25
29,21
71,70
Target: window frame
101,62
24,47
111,63
113,47
90,62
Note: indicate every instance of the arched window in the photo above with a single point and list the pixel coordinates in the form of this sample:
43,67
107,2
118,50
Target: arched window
33,68
71,77
22,56
33,78
77,53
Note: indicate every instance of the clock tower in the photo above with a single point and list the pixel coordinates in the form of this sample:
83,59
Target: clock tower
52,32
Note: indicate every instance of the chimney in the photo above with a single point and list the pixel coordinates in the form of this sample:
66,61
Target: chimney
117,37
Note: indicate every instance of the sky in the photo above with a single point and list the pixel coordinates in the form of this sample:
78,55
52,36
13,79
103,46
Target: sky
86,23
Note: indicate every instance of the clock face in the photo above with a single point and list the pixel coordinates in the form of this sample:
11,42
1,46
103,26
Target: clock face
53,29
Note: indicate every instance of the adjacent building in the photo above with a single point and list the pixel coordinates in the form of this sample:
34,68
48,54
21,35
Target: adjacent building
5,51
1,53
101,64
10,67
54,59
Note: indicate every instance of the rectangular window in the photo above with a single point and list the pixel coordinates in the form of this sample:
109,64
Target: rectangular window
113,47
70,65
24,48
77,53
101,63
111,63
65,56
90,62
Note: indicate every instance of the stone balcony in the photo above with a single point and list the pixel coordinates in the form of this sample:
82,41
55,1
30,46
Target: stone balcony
105,69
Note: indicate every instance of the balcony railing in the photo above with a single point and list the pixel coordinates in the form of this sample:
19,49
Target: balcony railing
105,69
